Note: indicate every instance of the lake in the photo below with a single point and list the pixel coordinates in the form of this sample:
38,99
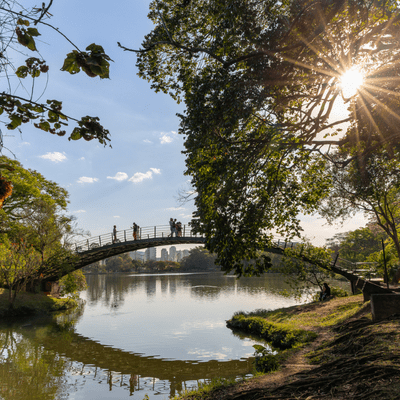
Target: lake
136,334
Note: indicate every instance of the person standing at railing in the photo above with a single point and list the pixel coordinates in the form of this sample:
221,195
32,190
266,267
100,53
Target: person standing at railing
172,227
115,234
178,226
135,230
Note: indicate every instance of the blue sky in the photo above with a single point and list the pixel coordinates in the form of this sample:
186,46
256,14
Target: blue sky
138,179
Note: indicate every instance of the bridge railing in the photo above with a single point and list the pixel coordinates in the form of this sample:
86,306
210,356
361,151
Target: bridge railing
126,235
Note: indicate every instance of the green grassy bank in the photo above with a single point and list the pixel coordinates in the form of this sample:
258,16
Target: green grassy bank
354,357
31,304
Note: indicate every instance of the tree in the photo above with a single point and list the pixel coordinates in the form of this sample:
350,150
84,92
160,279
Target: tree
18,263
29,188
199,258
19,31
373,187
35,214
260,80
73,282
306,267
357,245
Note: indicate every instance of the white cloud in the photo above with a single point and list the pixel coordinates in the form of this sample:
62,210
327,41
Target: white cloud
78,211
86,179
55,156
119,176
165,139
116,216
82,159
147,141
141,176
175,208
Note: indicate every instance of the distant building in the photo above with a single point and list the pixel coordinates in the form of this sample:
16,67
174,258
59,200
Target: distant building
150,254
179,256
172,253
164,255
185,253
137,255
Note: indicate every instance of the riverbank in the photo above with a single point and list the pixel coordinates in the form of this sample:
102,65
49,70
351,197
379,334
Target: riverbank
32,304
352,357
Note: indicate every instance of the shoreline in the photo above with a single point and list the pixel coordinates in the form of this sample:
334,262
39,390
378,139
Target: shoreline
28,304
344,361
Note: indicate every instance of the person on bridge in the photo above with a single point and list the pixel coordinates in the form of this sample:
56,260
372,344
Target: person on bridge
326,292
178,226
115,234
135,230
172,226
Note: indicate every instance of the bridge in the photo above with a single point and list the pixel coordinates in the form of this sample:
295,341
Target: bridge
98,248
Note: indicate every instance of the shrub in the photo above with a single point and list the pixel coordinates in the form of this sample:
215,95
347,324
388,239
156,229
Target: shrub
264,361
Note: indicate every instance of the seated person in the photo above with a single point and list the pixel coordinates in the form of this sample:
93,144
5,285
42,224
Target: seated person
326,292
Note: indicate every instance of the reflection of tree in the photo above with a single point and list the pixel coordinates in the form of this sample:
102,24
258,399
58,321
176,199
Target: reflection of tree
28,370
62,339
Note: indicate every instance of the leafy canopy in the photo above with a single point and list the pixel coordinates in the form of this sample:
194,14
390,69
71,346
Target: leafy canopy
260,80
19,33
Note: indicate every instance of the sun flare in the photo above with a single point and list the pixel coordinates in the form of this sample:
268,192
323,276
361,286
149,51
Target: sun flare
350,82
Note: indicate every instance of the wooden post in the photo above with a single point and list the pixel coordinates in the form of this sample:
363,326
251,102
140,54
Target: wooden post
384,264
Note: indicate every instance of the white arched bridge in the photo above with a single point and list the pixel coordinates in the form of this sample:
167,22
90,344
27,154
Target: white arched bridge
98,248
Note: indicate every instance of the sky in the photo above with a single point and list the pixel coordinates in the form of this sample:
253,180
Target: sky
139,178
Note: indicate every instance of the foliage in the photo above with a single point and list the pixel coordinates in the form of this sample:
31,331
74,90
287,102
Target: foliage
264,361
357,245
391,259
372,187
306,267
259,80
34,217
29,188
19,34
335,292
18,264
73,282
199,258
279,335
206,389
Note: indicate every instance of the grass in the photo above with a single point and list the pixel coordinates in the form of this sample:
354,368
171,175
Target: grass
32,303
316,318
312,316
206,389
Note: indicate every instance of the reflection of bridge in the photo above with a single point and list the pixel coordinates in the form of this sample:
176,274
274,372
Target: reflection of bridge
89,352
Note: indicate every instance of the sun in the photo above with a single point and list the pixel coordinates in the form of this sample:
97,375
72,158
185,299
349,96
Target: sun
350,82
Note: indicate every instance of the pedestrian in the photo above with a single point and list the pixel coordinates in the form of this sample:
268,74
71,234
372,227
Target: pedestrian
325,293
135,230
115,234
179,229
172,227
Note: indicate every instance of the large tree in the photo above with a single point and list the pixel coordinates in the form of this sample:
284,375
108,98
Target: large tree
260,79
35,216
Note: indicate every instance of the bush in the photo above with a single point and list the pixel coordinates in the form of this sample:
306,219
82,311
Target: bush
264,361
279,335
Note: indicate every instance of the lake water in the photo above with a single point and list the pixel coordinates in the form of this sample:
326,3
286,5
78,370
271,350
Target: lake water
136,335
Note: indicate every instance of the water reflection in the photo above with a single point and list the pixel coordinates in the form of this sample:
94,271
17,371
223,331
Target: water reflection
37,355
112,289
136,334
